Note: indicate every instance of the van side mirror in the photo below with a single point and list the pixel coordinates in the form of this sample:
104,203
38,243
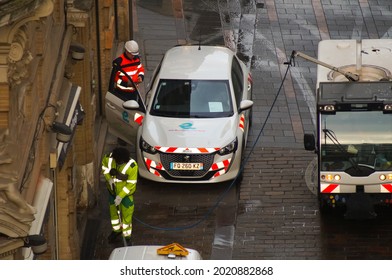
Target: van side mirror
131,105
245,105
309,142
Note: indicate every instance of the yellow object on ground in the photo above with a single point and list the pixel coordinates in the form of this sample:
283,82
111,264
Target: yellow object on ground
173,248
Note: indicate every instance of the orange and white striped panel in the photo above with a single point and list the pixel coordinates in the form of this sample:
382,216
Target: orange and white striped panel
220,172
223,165
186,150
250,80
330,188
242,122
152,166
386,188
138,118
219,165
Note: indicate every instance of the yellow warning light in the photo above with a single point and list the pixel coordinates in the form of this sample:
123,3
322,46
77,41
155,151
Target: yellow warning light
327,108
331,177
384,177
387,107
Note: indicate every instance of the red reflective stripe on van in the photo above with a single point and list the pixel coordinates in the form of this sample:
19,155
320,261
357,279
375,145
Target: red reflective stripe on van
388,187
138,119
148,162
330,188
242,122
171,150
250,78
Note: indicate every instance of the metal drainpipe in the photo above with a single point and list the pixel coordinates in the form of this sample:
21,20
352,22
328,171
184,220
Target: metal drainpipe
130,17
55,213
115,20
98,56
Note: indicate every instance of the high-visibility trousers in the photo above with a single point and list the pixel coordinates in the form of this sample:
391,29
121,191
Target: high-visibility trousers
122,222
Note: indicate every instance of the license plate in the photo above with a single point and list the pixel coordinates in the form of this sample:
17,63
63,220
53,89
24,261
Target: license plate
186,166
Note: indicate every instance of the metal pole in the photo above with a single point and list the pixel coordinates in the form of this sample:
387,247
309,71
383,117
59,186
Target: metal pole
98,38
350,76
130,17
55,214
115,20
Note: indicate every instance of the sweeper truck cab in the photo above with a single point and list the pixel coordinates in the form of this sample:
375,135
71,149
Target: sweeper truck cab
353,138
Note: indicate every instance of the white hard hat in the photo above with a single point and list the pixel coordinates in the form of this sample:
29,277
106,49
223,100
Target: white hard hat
132,47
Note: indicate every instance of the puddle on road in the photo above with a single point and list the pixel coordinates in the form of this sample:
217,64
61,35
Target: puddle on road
224,236
205,21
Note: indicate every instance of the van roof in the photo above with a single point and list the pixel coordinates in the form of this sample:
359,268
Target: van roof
149,252
194,62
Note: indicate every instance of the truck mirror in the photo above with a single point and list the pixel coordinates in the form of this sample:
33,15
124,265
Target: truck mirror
309,142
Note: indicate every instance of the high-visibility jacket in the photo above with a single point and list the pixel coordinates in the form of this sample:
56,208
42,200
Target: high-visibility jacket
133,67
122,188
125,188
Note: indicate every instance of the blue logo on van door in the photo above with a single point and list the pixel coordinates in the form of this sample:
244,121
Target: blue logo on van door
186,125
125,116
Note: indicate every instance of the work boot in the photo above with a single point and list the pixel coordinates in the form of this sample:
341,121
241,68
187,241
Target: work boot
113,236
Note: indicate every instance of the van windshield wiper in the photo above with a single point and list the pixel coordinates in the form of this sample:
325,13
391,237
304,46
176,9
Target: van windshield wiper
332,136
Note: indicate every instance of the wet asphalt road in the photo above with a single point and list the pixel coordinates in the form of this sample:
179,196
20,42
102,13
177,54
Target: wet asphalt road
273,214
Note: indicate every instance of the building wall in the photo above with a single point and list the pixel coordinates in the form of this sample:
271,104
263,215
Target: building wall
35,56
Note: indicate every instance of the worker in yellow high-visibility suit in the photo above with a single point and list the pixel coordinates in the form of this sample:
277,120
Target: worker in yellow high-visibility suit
120,172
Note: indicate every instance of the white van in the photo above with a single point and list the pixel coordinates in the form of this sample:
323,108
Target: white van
150,252
193,127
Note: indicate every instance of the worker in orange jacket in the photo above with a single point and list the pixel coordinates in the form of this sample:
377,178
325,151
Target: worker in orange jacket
129,61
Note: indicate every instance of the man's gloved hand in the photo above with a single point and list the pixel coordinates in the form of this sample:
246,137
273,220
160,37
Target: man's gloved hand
122,177
113,172
117,200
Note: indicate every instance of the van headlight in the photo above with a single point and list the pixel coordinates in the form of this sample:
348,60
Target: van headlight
230,148
145,147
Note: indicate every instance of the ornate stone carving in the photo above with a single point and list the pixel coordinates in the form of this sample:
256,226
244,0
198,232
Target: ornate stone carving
77,12
18,70
16,214
16,52
44,9
14,201
4,155
16,36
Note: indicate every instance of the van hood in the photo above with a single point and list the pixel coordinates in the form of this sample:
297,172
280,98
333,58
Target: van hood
189,133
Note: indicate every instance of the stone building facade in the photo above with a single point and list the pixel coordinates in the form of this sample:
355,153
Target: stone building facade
55,61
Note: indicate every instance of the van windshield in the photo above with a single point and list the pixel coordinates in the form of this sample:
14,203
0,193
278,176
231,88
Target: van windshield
362,137
192,99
